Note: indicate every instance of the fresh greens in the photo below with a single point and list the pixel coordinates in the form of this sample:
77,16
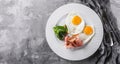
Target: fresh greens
60,31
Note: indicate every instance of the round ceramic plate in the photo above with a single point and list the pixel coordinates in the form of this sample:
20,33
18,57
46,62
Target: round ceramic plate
58,17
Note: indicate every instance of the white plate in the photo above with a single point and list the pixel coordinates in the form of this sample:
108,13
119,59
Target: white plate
90,18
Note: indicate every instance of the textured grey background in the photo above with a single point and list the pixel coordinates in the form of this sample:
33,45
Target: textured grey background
22,31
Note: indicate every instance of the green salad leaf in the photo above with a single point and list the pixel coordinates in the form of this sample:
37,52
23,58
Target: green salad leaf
60,31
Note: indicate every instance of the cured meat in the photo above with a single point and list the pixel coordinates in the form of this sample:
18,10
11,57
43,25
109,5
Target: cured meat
73,41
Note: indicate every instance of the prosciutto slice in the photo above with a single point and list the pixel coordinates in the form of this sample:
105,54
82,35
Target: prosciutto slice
73,41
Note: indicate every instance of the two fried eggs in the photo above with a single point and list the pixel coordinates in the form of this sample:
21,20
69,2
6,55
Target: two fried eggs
76,25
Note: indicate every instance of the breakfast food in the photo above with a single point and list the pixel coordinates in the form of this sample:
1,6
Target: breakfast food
87,34
74,23
73,41
75,32
60,31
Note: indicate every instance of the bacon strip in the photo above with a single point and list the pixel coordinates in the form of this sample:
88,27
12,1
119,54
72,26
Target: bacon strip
73,41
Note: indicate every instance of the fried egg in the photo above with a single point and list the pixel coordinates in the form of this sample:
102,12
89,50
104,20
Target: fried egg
87,34
74,23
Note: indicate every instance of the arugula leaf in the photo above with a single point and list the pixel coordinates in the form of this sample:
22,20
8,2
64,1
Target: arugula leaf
60,31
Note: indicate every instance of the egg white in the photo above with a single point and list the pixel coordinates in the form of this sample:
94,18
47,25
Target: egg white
86,38
74,29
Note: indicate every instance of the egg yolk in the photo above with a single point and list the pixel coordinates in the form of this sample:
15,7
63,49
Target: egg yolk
76,20
88,30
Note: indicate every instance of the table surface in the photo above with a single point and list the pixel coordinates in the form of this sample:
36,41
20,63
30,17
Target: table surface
22,31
